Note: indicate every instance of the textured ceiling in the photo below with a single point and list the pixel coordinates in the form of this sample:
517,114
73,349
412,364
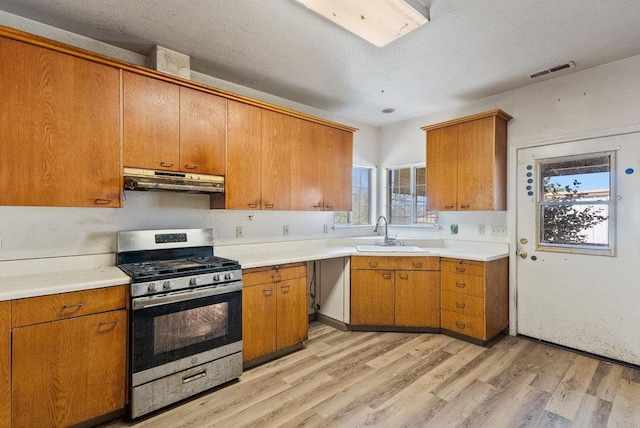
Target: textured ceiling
469,50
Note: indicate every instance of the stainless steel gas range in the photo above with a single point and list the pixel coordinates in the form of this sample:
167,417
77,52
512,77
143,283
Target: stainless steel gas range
186,315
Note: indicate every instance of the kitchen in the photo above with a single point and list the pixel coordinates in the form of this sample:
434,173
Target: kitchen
586,104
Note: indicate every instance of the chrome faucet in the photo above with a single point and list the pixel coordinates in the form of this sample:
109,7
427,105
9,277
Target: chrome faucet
387,240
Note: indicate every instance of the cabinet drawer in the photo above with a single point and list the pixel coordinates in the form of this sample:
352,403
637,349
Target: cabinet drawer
465,267
465,284
395,263
463,304
463,324
35,310
273,274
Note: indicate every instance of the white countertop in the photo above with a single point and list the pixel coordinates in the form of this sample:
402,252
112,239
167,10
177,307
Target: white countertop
38,277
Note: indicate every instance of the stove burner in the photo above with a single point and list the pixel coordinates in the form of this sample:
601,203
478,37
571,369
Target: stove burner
191,265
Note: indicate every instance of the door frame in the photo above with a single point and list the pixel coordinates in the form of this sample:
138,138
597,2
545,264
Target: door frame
512,214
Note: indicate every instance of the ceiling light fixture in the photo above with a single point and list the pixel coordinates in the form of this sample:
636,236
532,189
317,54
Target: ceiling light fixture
377,21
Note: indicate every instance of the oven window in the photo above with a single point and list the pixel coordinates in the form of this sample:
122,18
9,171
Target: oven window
180,329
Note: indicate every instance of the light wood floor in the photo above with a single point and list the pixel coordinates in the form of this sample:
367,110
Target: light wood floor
351,379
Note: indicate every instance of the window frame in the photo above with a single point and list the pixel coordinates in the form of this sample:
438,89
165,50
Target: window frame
349,224
414,206
610,250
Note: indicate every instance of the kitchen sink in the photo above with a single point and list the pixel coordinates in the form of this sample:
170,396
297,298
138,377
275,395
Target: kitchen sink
389,249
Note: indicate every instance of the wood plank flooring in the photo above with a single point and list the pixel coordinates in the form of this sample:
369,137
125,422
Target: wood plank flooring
353,379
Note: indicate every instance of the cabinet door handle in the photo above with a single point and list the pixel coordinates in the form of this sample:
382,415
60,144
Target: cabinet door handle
417,264
166,164
102,201
317,206
268,205
448,206
373,264
459,269
460,325
268,292
284,288
77,305
187,166
465,206
329,207
404,276
460,284
252,205
109,322
460,305
386,275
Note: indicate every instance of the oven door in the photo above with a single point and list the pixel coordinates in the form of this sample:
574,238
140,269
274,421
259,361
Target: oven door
177,329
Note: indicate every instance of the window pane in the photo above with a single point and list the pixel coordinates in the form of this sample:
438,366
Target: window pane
582,225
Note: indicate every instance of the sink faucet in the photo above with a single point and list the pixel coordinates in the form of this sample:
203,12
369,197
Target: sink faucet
387,240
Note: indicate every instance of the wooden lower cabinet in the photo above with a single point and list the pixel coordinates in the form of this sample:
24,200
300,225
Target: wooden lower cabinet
5,364
395,291
71,370
274,309
475,297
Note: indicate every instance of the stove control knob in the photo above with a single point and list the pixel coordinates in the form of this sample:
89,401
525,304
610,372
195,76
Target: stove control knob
194,281
152,287
167,285
228,275
216,277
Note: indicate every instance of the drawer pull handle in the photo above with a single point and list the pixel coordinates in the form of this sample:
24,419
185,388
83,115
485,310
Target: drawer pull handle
268,292
417,264
460,325
284,288
460,284
190,166
317,206
77,305
329,207
194,377
465,206
102,201
268,205
252,205
448,206
276,277
460,305
404,276
373,264
166,164
459,269
386,275
108,322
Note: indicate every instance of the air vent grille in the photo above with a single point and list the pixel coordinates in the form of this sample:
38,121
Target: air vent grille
557,68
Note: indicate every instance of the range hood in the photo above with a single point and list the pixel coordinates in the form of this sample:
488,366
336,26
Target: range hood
146,179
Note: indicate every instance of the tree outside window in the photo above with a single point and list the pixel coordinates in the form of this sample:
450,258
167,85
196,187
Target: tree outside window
361,203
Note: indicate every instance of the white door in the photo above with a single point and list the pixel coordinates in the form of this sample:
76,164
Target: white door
589,302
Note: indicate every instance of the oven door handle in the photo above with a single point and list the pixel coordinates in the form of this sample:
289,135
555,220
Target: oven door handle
149,302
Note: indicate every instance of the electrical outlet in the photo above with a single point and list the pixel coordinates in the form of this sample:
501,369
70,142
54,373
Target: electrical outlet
285,229
239,232
481,229
499,230
325,228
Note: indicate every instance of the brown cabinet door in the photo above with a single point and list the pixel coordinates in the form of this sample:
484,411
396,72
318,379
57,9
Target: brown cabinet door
60,125
306,166
292,312
203,131
5,364
337,166
258,320
70,371
442,169
151,121
476,160
244,153
372,297
276,161
417,299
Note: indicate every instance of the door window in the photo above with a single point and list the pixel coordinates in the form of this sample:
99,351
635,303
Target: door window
575,206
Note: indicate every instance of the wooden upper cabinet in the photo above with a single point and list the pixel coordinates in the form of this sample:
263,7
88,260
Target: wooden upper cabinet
337,167
151,120
60,122
244,157
203,130
276,161
467,163
306,165
5,363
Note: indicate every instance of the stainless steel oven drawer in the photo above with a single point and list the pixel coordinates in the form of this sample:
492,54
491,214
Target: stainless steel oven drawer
167,390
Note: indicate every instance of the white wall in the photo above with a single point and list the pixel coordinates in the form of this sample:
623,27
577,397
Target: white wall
31,232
